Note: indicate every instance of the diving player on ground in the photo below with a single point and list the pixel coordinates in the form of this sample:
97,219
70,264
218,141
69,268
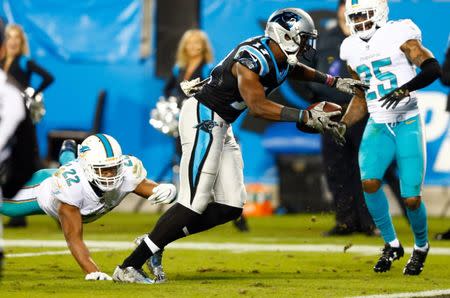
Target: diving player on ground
211,160
84,189
385,55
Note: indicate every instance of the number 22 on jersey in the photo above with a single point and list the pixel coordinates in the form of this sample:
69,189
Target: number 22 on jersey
366,73
71,177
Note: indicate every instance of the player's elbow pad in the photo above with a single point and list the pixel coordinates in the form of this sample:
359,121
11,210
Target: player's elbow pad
431,71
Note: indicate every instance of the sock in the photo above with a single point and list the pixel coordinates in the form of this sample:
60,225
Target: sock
215,214
394,243
171,225
66,157
423,248
138,257
378,206
419,225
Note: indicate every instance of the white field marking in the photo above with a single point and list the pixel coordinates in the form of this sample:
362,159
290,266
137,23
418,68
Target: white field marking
234,247
432,293
46,253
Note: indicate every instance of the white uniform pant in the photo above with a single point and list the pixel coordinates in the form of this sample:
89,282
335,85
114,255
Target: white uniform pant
211,166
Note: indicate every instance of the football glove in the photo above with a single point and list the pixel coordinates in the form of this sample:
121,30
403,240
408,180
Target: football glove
163,194
349,86
393,98
319,120
338,132
97,276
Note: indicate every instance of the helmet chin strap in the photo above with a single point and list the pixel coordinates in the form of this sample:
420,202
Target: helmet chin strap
291,58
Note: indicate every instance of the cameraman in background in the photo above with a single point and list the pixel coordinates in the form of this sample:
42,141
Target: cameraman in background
341,162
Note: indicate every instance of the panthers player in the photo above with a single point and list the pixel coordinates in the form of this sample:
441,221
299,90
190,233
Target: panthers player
385,55
211,161
84,189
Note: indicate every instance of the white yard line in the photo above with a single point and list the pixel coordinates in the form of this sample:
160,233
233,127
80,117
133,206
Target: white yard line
432,293
47,253
234,247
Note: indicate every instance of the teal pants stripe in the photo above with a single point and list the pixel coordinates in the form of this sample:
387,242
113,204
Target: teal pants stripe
13,209
26,206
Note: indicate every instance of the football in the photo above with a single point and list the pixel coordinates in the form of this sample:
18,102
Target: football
327,107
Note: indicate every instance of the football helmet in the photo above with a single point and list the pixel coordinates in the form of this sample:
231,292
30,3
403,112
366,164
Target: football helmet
294,31
101,158
364,16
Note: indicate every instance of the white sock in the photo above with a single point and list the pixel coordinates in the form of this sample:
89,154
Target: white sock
423,248
394,243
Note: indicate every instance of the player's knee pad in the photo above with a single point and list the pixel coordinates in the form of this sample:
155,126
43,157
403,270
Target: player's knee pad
413,203
371,185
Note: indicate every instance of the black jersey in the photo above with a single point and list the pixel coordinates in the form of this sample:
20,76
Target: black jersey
221,92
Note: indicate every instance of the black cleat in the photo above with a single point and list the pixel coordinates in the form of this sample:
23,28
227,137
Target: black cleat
415,262
388,255
241,224
69,145
443,236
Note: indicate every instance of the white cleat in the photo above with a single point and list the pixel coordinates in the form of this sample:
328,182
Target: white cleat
131,275
154,264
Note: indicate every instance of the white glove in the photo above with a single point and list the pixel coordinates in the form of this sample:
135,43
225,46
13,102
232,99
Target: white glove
349,86
319,120
163,194
338,133
193,86
97,276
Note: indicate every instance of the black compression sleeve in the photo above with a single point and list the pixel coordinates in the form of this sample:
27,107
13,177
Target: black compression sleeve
431,71
320,77
291,114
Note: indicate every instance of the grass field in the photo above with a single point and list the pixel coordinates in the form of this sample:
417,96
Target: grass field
225,272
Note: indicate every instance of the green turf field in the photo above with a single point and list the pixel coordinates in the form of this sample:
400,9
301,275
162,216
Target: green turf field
223,273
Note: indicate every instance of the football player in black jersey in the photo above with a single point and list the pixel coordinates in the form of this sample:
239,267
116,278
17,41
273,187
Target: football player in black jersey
212,190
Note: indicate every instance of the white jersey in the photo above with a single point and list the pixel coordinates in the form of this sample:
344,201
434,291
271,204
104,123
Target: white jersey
381,63
69,185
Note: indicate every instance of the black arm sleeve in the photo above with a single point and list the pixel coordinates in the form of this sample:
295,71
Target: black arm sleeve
445,78
47,78
431,71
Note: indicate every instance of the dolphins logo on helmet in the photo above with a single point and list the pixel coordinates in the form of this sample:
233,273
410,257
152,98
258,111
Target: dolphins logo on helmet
364,16
294,31
101,158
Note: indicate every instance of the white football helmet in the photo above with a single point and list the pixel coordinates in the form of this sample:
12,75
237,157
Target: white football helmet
101,158
293,30
364,16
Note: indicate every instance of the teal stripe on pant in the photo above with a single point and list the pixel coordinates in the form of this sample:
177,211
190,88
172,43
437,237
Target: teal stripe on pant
18,208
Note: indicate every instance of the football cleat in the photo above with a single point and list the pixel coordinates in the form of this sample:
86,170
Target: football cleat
388,255
415,262
154,264
131,275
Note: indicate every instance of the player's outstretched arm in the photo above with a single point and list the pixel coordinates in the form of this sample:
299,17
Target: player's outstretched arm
72,226
252,91
164,193
347,85
420,56
356,111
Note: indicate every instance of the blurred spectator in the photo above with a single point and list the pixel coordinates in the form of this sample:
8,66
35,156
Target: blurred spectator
20,69
445,79
341,162
193,59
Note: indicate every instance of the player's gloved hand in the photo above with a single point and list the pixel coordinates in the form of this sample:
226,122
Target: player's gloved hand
338,132
349,86
319,120
97,276
393,98
164,193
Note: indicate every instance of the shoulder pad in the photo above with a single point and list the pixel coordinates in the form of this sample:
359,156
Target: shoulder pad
253,59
